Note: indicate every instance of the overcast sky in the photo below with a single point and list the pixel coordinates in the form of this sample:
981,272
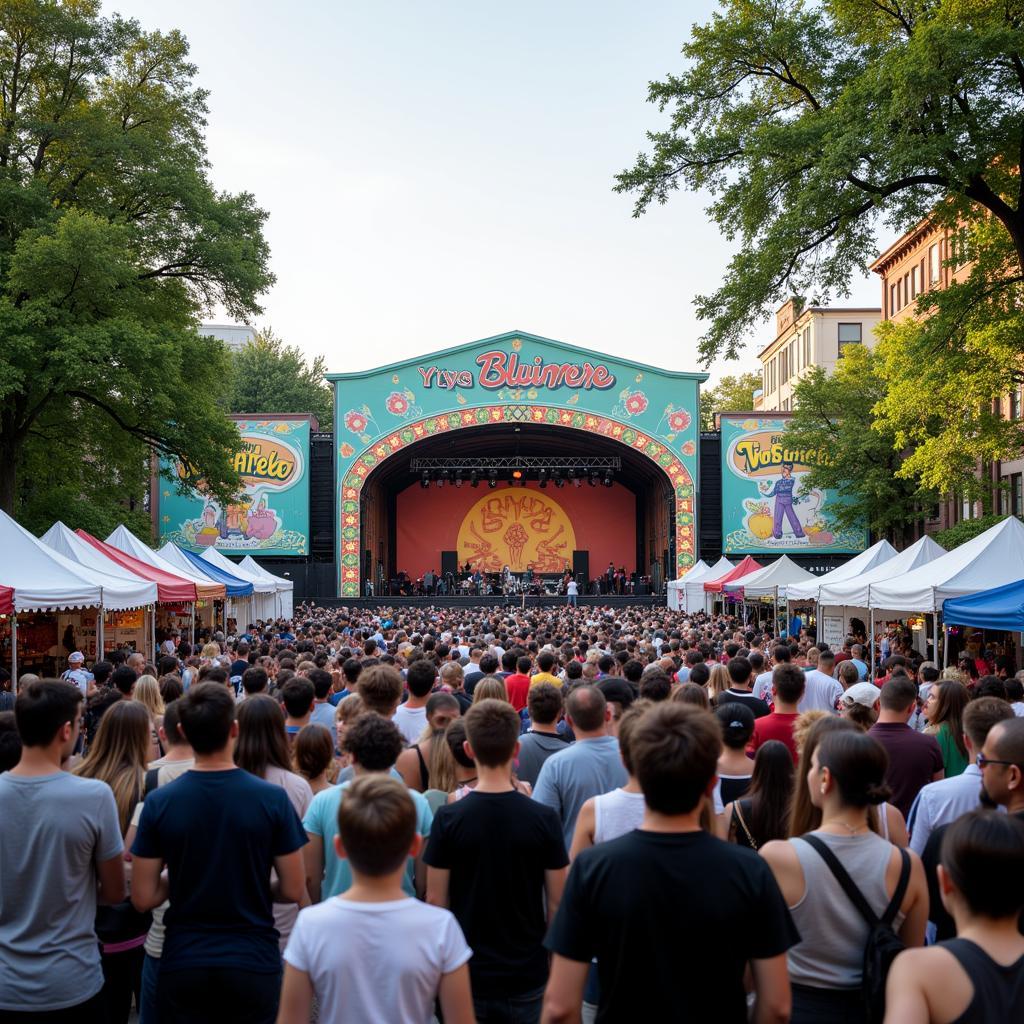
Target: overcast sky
440,172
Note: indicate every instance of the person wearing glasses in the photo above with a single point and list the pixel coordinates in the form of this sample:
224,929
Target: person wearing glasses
1001,763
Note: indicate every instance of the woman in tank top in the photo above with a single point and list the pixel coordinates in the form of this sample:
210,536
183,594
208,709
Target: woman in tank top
977,977
846,777
613,814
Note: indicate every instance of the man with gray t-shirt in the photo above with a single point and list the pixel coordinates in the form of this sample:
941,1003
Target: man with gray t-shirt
59,837
589,767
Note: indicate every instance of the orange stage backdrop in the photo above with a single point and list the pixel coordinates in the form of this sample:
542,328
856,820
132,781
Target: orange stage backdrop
515,526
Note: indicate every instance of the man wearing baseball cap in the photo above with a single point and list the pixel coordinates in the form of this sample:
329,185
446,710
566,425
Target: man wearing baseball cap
77,674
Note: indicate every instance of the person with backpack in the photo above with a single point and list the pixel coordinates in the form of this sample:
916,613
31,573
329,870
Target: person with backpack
856,899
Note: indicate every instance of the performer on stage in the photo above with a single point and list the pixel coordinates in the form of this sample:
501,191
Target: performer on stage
609,578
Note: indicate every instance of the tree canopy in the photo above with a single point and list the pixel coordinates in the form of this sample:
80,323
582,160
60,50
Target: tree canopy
834,413
733,393
811,124
113,243
270,376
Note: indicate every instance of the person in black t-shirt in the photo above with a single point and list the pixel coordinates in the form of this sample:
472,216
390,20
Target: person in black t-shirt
220,831
492,858
670,946
741,680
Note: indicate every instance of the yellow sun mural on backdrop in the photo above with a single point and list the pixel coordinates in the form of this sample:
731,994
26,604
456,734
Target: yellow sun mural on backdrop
517,528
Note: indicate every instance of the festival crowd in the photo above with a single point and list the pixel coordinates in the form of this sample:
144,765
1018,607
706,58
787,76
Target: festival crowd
512,815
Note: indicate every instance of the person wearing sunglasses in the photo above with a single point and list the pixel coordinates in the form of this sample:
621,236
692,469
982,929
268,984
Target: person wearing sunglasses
1002,765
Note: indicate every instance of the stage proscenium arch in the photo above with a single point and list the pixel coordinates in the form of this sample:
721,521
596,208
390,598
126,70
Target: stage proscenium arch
614,440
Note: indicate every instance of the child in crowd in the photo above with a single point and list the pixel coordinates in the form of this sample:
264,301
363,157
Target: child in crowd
374,953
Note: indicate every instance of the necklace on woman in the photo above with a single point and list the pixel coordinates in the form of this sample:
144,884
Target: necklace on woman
852,829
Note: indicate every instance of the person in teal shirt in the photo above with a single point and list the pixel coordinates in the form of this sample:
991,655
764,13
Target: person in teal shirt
374,743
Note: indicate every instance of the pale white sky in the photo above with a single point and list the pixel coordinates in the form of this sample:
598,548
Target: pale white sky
441,172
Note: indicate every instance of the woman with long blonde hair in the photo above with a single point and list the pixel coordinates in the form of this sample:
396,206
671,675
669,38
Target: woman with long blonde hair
490,687
718,683
147,693
118,757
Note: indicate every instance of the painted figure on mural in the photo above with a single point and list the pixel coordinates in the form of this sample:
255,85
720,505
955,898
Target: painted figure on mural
782,492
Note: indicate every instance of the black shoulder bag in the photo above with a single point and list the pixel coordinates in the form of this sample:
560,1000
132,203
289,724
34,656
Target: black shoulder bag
883,943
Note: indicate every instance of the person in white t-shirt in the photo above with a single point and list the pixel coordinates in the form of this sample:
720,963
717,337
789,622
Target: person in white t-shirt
822,692
411,717
374,953
781,655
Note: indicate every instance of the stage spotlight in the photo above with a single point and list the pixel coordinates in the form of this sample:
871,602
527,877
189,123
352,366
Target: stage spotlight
517,474
425,479
542,477
577,482
439,482
492,478
474,479
559,481
458,478
592,479
607,480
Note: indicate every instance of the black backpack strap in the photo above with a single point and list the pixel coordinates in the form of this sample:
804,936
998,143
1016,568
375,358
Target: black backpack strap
901,889
152,781
843,878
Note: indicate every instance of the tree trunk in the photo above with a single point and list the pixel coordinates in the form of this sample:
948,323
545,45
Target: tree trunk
8,474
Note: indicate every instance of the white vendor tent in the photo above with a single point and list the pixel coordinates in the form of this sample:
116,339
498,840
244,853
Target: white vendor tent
264,598
674,588
124,540
43,579
285,588
867,560
853,593
771,581
694,599
991,559
121,589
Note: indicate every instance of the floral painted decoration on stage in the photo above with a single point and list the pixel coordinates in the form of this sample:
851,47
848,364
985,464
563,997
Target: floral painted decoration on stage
513,379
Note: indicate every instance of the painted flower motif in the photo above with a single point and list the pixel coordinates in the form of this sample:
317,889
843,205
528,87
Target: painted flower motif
397,404
689,448
636,403
347,451
679,420
355,421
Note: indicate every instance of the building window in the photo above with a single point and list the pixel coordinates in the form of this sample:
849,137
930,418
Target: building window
1017,494
849,334
914,286
783,366
934,263
1015,404
966,509
807,346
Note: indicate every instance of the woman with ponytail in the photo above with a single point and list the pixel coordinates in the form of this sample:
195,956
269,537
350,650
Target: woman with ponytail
845,780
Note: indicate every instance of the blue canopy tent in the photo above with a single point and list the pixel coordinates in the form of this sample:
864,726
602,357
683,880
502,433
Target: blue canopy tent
999,608
235,588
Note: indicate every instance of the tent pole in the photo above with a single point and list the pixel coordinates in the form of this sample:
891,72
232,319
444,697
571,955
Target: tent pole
14,650
193,623
945,646
871,637
935,637
152,631
101,617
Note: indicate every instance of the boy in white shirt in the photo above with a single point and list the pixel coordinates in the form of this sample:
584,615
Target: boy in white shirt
373,953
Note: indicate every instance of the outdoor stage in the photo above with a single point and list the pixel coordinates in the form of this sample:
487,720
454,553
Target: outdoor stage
516,456
495,601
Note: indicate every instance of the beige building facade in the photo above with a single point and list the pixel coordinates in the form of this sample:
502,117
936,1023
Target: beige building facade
923,259
807,336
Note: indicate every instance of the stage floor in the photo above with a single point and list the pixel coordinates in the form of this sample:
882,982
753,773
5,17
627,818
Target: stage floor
495,601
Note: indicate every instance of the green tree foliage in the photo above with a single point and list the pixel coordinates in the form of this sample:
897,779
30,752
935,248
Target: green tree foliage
270,376
113,243
811,124
730,394
947,371
966,530
834,414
